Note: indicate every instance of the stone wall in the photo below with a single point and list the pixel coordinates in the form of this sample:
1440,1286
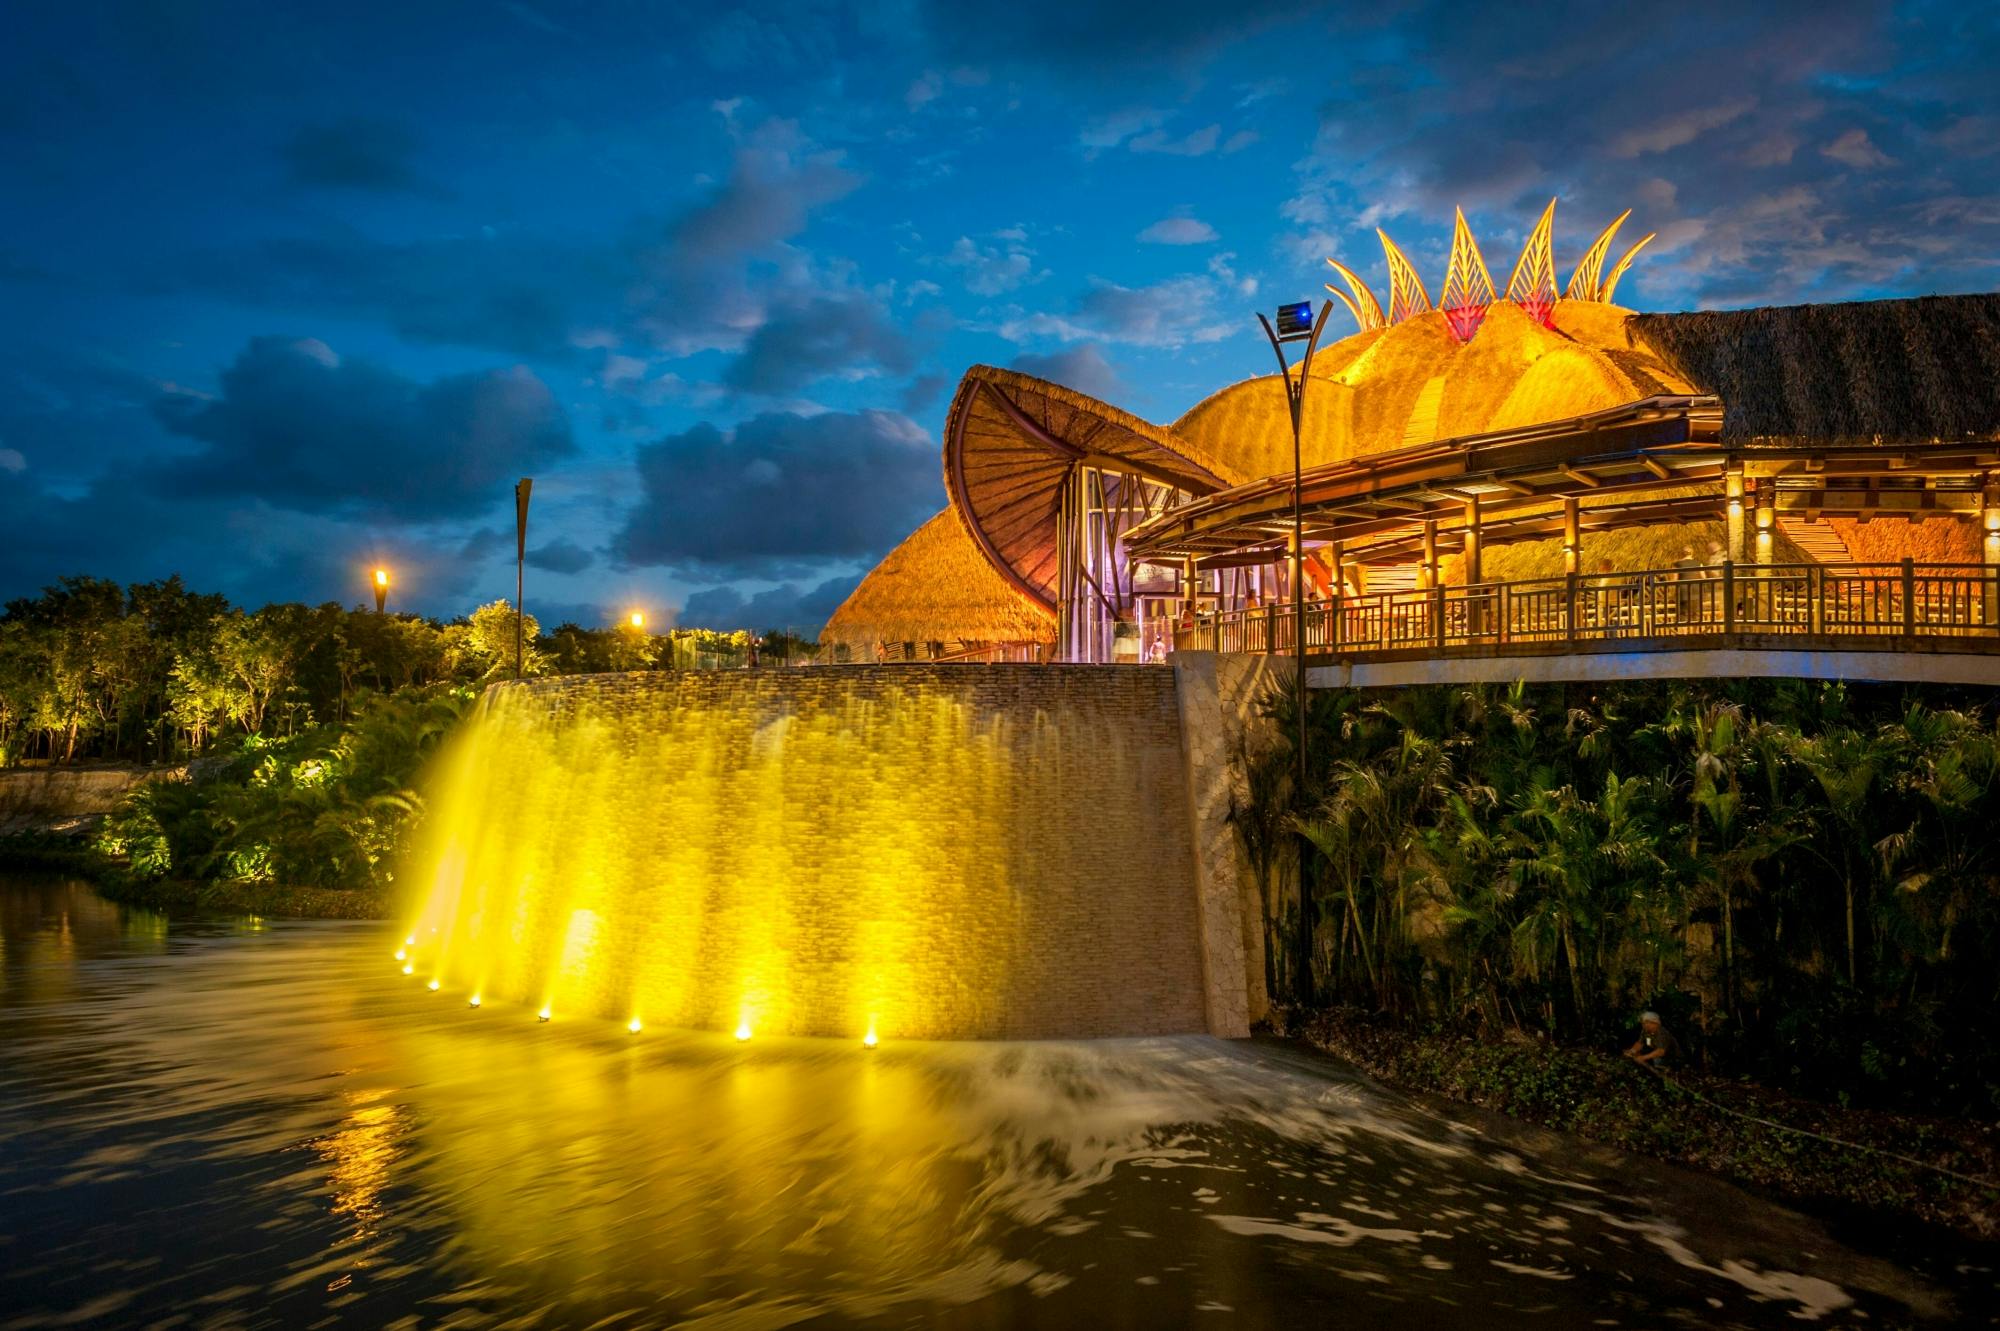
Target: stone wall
1220,695
943,851
67,798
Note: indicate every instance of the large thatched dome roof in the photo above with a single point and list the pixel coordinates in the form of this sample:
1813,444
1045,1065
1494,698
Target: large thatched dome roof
1415,383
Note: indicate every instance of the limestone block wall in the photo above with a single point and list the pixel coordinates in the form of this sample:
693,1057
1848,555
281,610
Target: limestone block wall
936,851
34,798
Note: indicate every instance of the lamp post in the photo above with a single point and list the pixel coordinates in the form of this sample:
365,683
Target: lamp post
522,488
381,590
1295,323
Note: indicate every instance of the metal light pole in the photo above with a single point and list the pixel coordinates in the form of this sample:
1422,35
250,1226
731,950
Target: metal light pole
522,488
1293,321
381,590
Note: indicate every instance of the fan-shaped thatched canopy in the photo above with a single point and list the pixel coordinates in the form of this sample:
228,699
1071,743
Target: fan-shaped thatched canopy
1011,440
937,586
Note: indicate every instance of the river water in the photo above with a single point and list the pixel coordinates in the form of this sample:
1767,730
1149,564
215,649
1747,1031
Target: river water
247,1123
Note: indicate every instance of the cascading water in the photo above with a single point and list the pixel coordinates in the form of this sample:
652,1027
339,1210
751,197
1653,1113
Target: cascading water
941,852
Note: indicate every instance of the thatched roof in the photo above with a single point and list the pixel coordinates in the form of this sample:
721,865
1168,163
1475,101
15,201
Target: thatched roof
1415,382
1011,440
937,587
1901,371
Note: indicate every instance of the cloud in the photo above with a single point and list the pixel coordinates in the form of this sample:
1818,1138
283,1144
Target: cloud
357,154
846,334
1199,143
781,491
1681,128
1083,368
1178,231
303,429
801,608
561,556
990,270
1855,149
1172,314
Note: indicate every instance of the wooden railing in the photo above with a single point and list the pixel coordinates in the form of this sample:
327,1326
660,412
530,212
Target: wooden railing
1866,605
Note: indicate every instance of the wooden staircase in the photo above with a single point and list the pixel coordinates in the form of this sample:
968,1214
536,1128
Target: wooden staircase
1820,542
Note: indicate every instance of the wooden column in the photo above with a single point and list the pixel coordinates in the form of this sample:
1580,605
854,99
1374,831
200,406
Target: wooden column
1732,490
1337,556
1430,578
1475,609
1572,536
1989,540
1474,572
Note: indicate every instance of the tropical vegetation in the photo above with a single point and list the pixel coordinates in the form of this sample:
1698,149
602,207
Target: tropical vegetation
1802,877
301,729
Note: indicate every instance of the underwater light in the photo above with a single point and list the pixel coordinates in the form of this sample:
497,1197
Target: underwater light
743,1031
633,1025
409,968
435,985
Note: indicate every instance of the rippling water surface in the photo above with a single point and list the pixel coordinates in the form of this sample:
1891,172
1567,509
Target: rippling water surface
247,1123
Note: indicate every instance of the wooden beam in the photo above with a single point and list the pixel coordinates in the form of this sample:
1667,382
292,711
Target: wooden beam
1582,478
1655,466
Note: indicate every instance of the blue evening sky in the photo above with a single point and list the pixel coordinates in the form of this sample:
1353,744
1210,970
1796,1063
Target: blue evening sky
296,288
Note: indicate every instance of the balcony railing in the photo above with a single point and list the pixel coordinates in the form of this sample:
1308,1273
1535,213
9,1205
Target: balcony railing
1885,606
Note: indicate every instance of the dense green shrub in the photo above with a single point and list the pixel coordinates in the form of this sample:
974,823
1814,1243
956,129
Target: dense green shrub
328,807
1803,877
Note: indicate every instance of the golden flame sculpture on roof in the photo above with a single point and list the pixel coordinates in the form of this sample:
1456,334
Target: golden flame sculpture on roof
1468,286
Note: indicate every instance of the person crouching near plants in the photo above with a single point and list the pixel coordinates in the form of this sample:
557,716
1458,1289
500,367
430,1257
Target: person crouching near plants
1656,1045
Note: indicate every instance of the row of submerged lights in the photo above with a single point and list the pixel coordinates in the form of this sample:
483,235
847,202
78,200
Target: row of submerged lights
405,955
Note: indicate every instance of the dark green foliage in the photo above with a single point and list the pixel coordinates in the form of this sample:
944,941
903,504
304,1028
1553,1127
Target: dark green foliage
329,807
1803,877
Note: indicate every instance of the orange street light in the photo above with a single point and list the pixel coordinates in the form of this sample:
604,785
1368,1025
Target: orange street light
638,619
381,589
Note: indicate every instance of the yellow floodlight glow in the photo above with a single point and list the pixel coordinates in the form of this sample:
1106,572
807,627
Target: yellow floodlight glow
435,985
411,941
869,1041
638,620
633,1026
743,1029
381,577
402,955
409,968
543,1015
473,1001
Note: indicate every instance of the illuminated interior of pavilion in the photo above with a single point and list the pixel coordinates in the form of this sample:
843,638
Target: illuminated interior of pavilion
1508,464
